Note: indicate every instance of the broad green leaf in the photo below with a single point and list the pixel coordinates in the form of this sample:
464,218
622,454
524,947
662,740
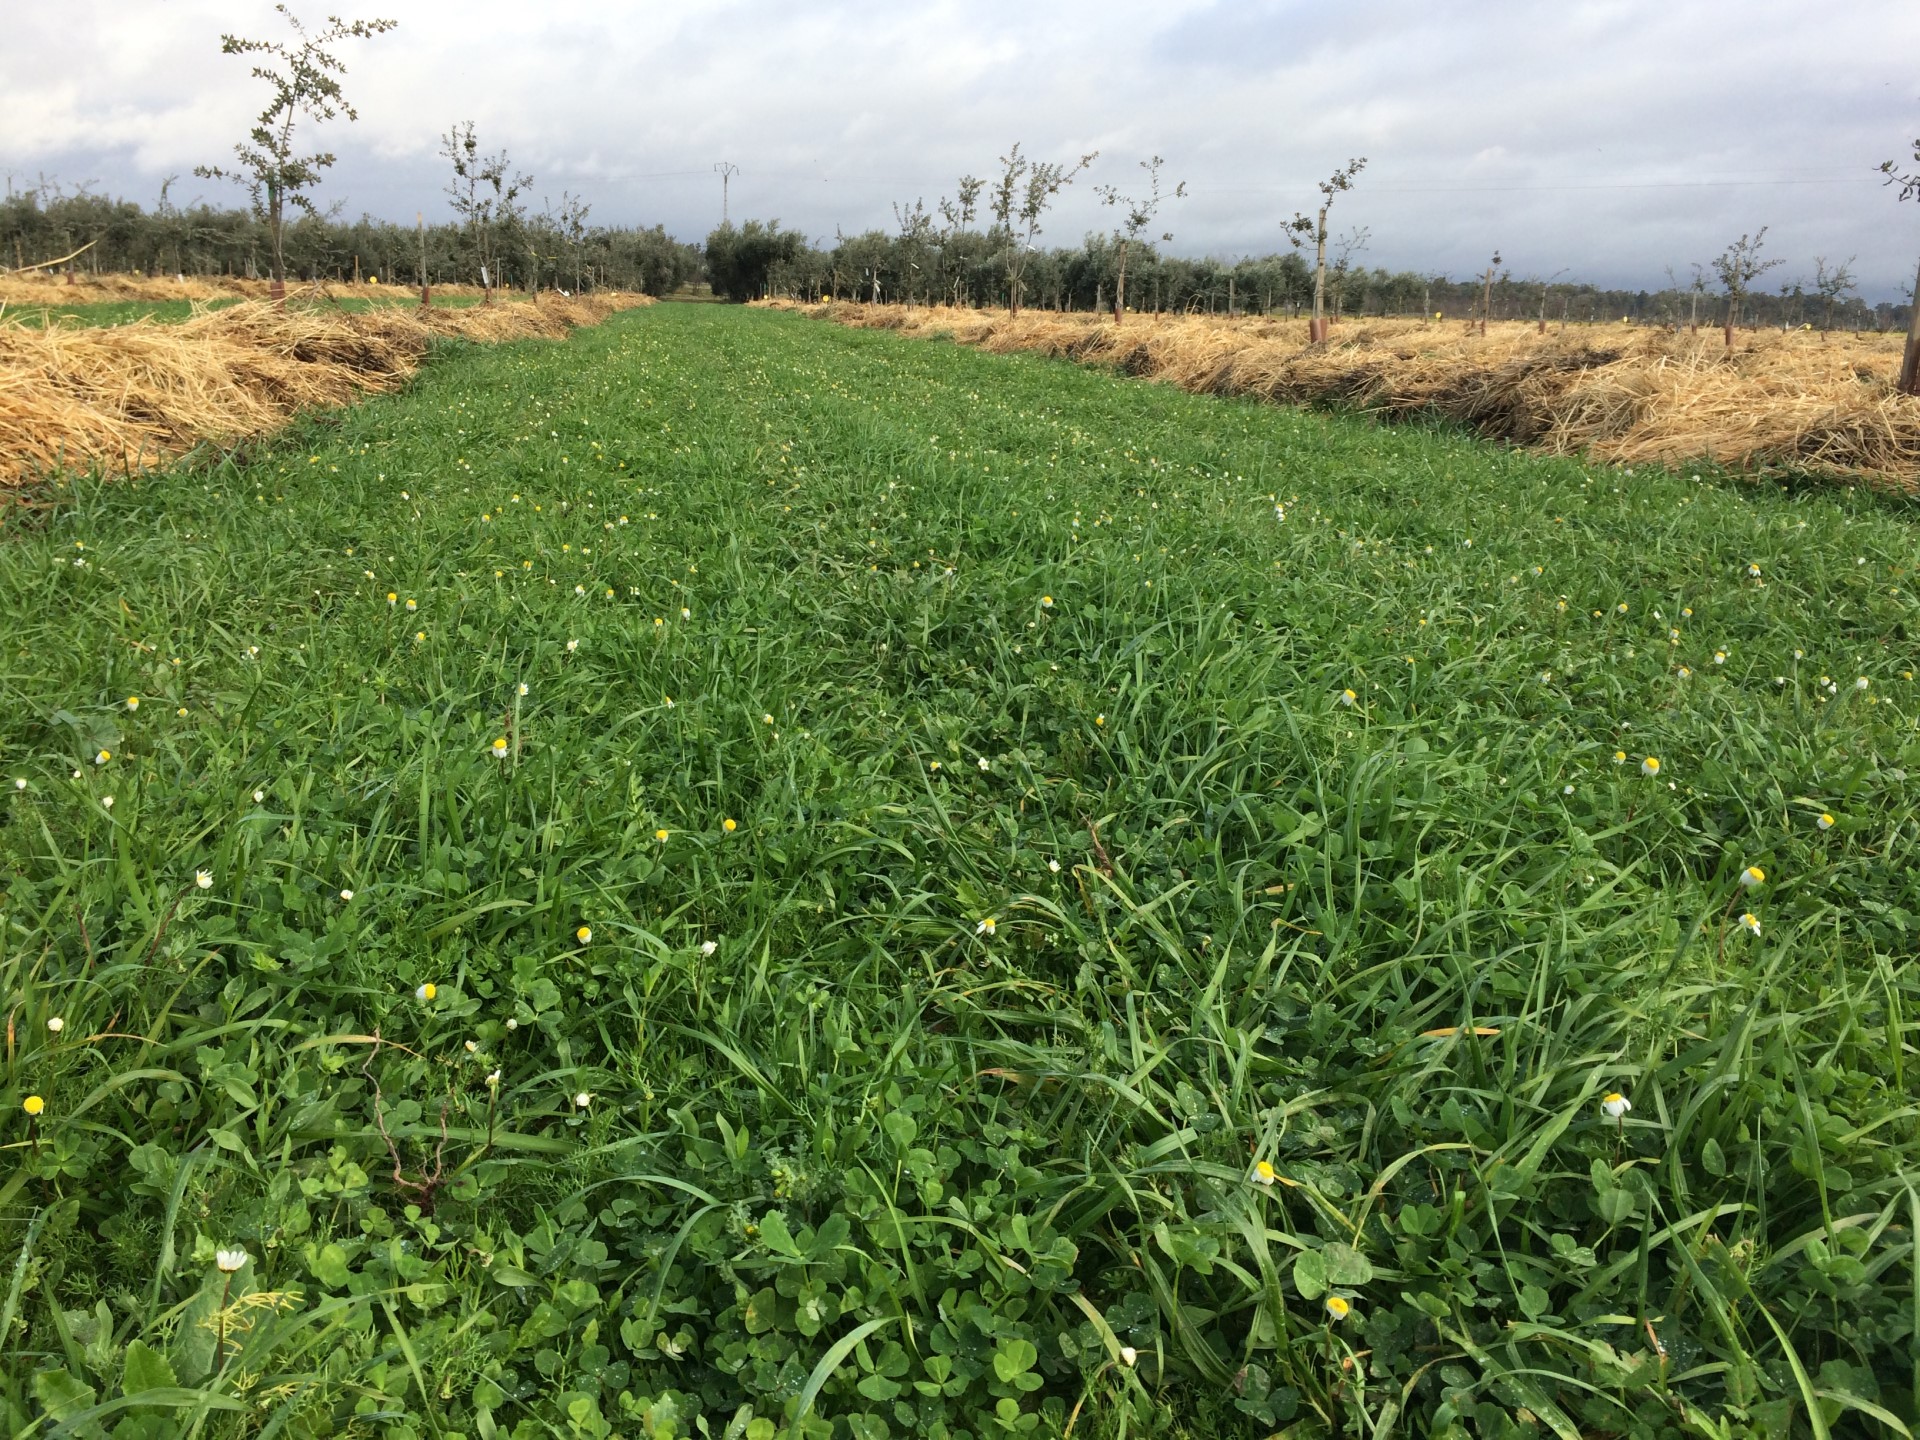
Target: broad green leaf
1310,1274
145,1369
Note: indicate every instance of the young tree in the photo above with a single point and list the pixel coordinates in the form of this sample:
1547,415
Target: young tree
1301,228
1020,198
1738,266
571,223
1909,362
1831,286
485,192
301,78
1344,249
916,230
957,216
1135,216
1545,286
1695,289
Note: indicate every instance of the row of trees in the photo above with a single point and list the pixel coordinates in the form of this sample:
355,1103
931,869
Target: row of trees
922,260
496,236
910,266
552,248
957,255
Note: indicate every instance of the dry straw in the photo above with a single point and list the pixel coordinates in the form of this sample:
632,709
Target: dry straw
39,288
126,395
1613,392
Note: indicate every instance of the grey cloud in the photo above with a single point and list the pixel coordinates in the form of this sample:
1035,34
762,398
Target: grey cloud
1580,135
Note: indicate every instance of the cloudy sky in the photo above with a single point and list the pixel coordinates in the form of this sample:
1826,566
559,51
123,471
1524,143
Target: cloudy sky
1608,138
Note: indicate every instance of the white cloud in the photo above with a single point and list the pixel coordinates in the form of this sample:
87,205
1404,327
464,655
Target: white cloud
1612,137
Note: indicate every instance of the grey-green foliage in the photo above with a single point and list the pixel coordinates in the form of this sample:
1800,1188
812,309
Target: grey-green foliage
303,85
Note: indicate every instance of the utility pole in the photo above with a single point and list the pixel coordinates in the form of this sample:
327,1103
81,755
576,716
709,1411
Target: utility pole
1486,294
726,169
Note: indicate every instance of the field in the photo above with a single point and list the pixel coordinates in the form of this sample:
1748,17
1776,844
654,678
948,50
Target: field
1784,402
737,876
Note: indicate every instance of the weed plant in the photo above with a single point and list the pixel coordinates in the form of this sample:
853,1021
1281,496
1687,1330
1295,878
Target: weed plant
742,878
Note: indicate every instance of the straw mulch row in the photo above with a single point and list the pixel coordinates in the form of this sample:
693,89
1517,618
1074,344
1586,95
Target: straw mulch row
124,396
34,288
1631,394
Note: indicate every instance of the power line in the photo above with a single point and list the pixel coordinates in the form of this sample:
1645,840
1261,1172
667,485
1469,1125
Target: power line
879,182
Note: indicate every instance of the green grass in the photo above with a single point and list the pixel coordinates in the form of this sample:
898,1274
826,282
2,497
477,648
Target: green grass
923,623
170,312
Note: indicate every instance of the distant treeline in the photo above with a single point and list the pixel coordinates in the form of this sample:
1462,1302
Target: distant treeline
44,223
921,265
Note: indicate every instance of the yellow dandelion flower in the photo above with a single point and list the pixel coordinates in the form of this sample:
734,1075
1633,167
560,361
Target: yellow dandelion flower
426,992
661,836
1264,1173
33,1104
729,826
1337,1308
584,934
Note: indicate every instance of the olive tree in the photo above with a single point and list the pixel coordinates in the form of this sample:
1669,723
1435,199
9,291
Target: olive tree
301,77
485,191
1738,266
1909,362
1135,216
1832,283
1302,228
1019,199
956,222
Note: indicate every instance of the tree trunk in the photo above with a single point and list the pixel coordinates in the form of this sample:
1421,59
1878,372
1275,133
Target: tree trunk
1120,286
275,220
1910,360
1733,310
1317,327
